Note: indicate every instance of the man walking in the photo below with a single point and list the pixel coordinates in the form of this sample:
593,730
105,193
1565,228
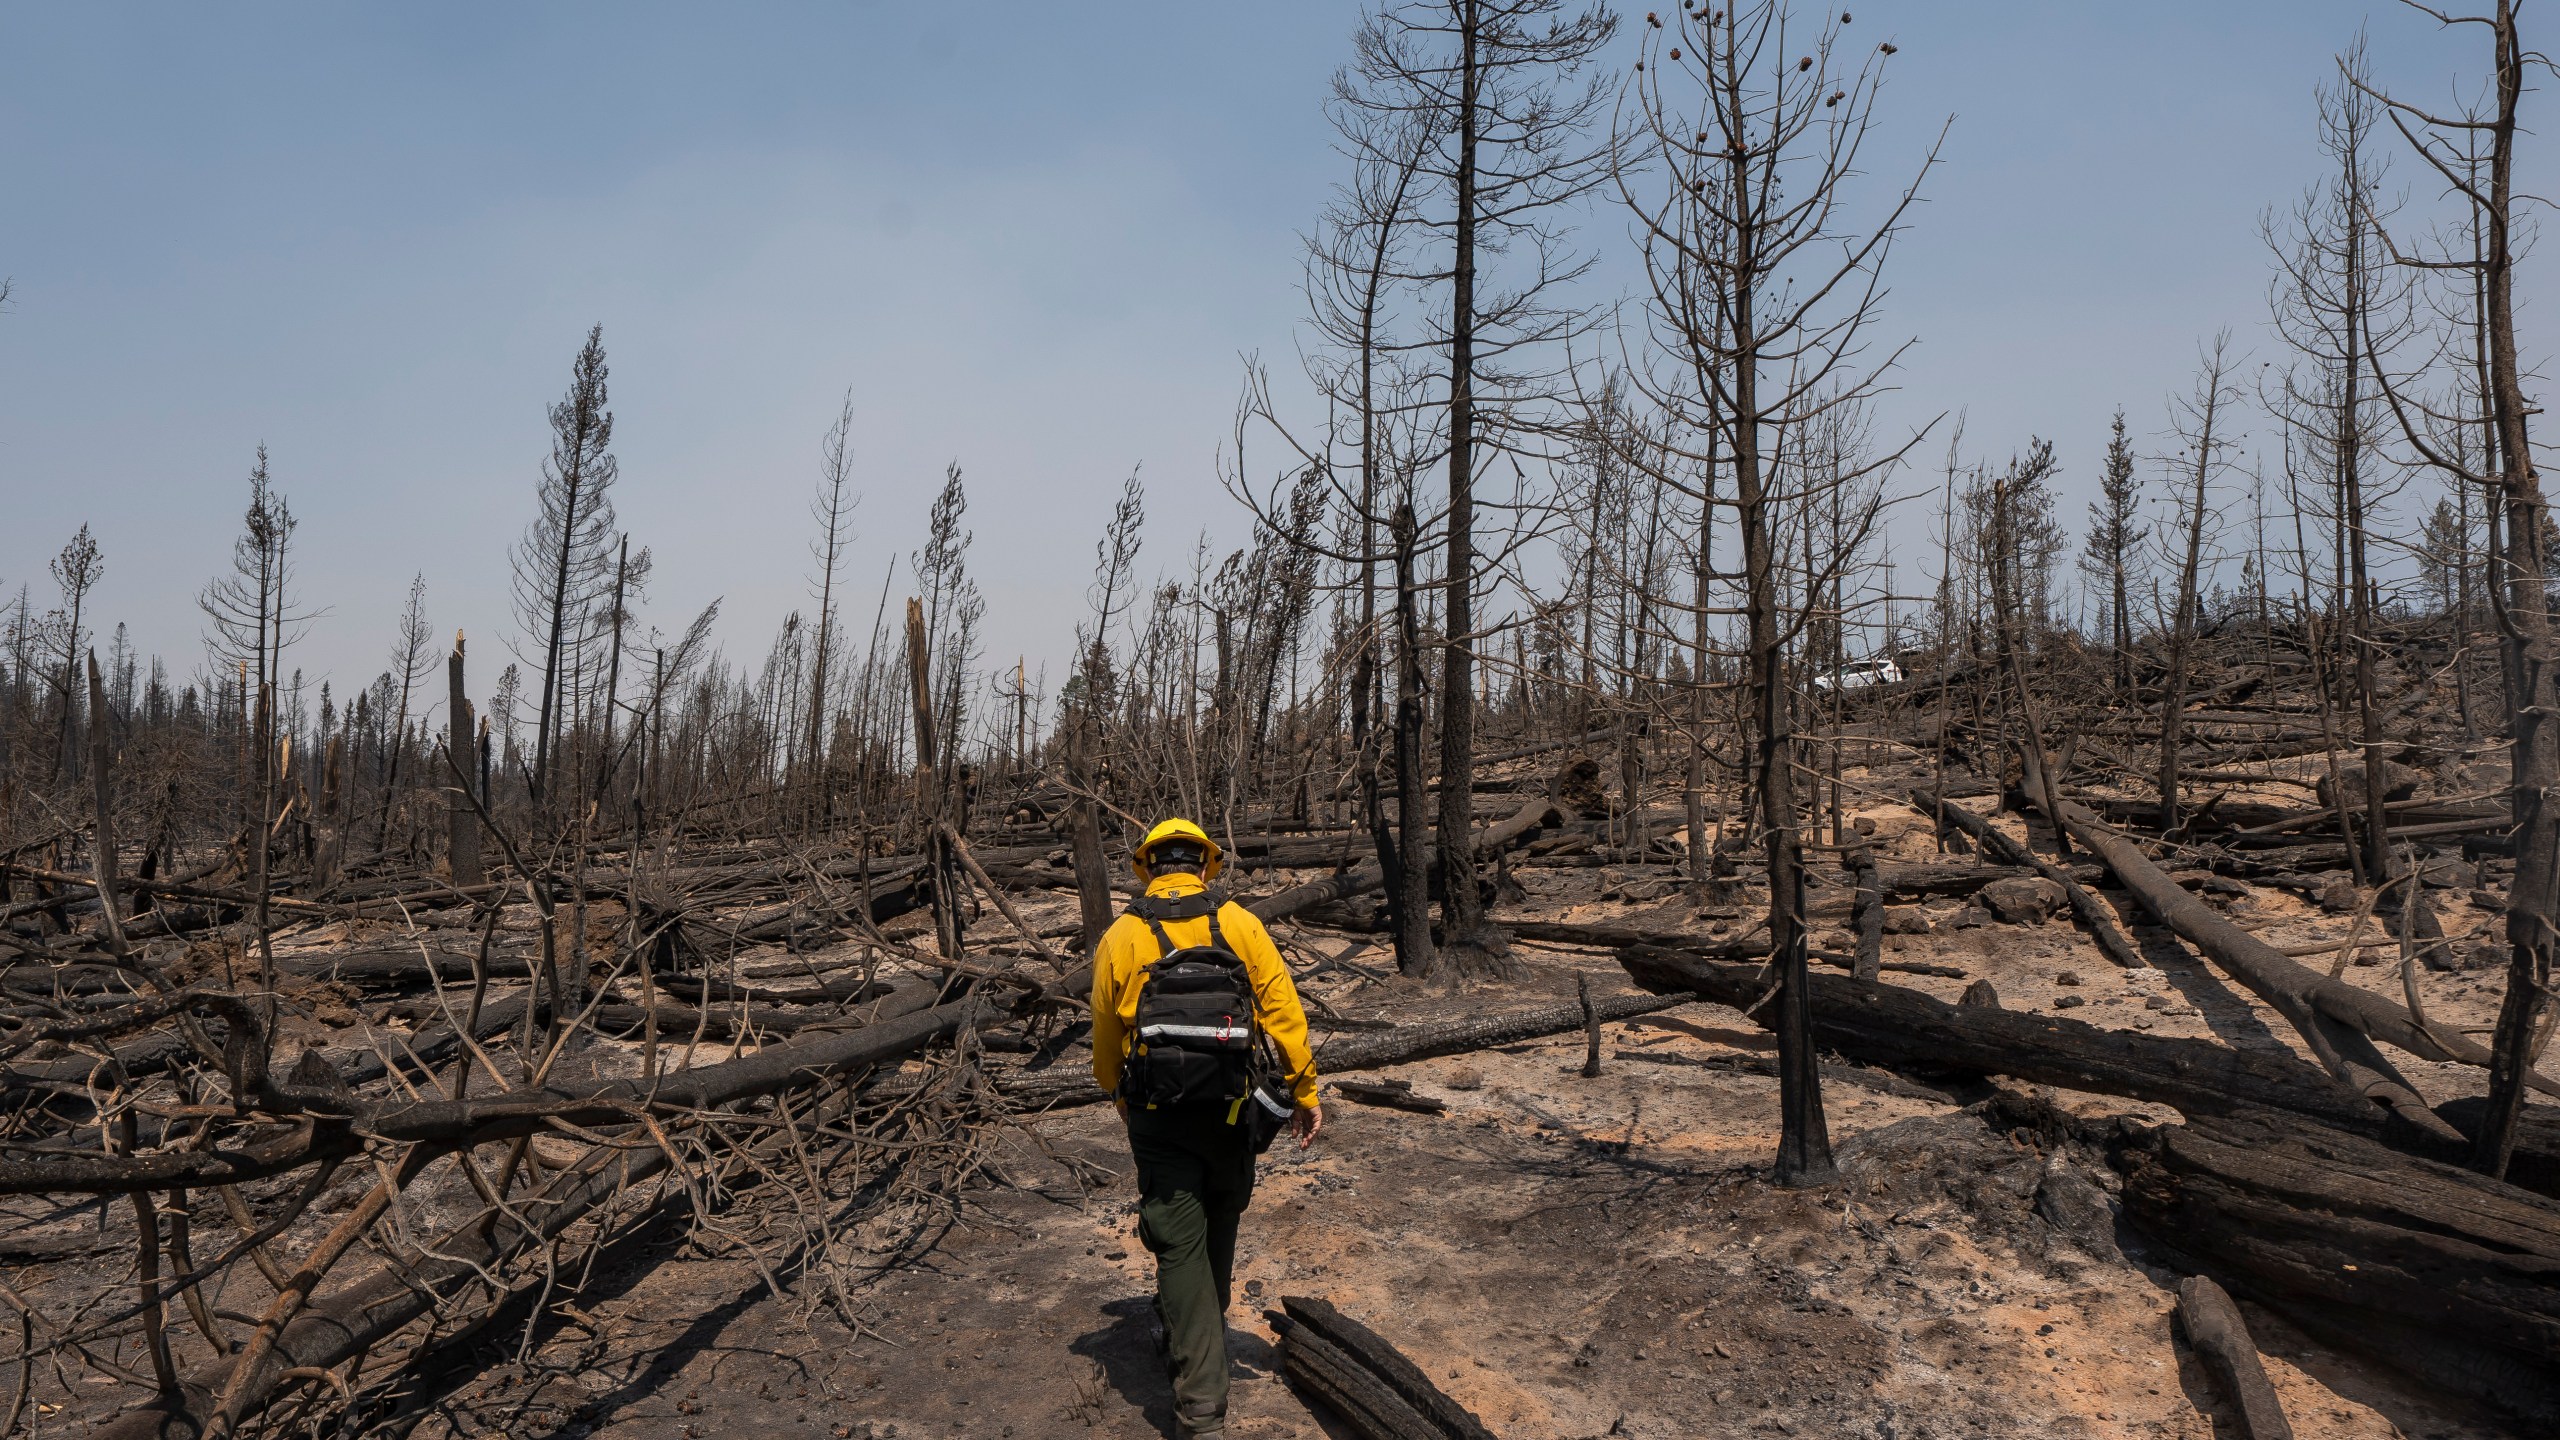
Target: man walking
1166,979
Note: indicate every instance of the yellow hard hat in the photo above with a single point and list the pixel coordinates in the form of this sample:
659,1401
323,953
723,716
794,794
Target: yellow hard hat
1178,829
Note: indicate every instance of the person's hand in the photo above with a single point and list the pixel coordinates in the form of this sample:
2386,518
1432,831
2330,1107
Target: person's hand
1307,1122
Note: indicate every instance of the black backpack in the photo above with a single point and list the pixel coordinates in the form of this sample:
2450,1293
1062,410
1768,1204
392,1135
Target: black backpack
1195,1039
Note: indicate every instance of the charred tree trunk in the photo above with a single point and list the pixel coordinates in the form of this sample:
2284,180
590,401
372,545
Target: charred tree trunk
2529,647
1866,917
462,819
2426,1267
1469,945
1804,1143
939,862
102,848
2182,619
1410,877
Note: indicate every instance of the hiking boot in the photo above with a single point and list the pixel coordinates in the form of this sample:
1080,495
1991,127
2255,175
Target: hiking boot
1213,1427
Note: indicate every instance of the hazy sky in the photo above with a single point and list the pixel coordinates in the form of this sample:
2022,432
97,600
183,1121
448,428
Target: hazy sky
1034,239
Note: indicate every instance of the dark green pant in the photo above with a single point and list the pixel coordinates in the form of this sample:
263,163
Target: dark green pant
1195,1177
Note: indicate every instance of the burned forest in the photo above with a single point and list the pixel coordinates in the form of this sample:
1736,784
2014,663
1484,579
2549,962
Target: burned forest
1813,920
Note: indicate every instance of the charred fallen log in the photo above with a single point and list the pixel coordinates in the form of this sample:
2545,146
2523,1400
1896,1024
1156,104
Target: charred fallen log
412,965
1925,1037
2218,1334
2338,1021
2094,915
1600,935
1368,1382
2425,1266
1906,1030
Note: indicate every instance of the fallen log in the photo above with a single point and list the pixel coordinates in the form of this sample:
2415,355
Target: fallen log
171,888
431,1045
1299,898
2094,915
2221,1338
1368,1382
845,990
412,965
414,1055
1906,1030
1604,935
1924,1037
717,1022
1600,935
2420,812
1896,967
1340,1384
147,1056
2338,1021
2121,810
1911,881
1949,880
219,1164
2431,1268
1391,1095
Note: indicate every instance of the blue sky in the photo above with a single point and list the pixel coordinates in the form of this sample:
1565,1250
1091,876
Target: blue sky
1033,239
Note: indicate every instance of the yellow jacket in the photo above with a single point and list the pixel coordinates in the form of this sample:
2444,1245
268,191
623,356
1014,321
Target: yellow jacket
1129,946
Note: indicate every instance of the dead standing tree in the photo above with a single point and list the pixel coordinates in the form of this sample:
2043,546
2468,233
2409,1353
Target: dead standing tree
1507,91
2009,513
1357,270
564,565
2336,301
253,619
833,509
932,791
462,833
952,610
1761,293
1090,703
2521,603
76,571
2203,421
2114,541
410,656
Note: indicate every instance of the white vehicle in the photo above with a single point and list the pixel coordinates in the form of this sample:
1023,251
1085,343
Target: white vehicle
1859,675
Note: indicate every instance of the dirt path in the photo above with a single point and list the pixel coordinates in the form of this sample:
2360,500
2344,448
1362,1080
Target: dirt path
1568,1257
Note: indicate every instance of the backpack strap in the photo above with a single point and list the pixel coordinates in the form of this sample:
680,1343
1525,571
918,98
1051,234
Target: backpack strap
1164,942
1253,999
1156,909
1176,907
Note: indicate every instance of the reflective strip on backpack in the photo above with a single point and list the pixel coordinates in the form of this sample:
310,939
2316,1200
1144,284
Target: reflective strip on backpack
1219,1033
1274,1106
